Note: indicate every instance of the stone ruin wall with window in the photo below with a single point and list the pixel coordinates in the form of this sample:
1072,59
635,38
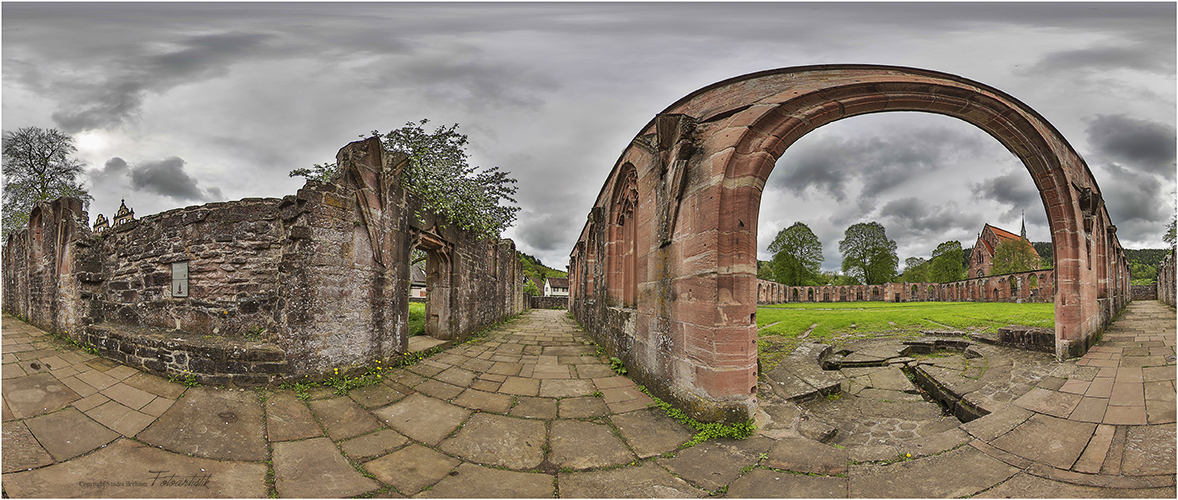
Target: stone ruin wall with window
278,287
1029,286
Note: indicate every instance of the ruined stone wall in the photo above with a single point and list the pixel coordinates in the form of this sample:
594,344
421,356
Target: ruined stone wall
45,267
298,285
233,251
1030,286
1166,281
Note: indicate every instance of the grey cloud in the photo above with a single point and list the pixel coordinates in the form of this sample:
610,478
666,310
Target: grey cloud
914,215
167,177
1133,196
547,232
1015,189
111,102
1105,59
881,162
1144,143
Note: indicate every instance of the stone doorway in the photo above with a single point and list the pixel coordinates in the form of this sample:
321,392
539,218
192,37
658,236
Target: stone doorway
438,284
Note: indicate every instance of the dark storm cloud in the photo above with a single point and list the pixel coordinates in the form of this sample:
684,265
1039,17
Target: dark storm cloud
1015,189
1145,144
914,215
133,75
881,162
1133,196
168,177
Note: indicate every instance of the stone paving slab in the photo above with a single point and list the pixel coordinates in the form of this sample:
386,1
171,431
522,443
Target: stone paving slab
37,394
1024,485
1149,450
650,432
308,469
422,418
211,423
373,445
473,481
69,433
21,451
958,473
1047,439
488,439
763,483
541,408
582,445
126,469
343,418
806,456
710,465
644,481
288,419
411,468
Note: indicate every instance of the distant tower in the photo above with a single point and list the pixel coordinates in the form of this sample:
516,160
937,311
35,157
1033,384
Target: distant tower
100,224
1024,231
124,215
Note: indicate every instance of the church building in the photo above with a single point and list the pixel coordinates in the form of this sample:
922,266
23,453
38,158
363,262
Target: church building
981,260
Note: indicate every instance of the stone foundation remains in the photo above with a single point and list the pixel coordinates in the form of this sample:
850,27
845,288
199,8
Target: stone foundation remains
261,288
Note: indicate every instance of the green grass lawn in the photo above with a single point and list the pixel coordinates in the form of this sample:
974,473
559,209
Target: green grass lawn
835,319
781,325
416,318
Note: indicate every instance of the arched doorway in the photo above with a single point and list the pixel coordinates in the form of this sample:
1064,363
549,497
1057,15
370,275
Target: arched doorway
702,165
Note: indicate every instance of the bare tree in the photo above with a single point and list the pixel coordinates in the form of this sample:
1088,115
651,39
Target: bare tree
38,166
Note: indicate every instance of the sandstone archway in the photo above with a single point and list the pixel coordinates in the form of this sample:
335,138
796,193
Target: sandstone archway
701,167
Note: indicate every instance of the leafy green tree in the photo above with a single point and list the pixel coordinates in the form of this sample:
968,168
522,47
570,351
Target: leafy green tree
868,255
947,261
530,288
765,270
797,255
38,166
916,270
326,172
1014,256
472,199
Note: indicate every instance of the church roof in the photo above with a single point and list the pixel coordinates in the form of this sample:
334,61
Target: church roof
1002,235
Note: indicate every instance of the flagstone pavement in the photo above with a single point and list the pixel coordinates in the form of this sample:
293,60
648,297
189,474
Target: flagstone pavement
534,411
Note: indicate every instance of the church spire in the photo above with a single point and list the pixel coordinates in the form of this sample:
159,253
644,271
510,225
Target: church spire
1023,233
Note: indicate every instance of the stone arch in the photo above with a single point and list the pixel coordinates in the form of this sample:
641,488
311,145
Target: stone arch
702,165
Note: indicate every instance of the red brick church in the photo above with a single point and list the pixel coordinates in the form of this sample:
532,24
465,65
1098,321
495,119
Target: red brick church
983,251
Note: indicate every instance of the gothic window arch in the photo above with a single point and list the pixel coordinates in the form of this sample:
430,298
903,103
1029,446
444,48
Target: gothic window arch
624,243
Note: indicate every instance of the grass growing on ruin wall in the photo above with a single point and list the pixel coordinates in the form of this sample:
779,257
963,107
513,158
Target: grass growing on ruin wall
836,319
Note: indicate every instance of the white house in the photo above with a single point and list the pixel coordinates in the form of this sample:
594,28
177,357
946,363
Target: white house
556,287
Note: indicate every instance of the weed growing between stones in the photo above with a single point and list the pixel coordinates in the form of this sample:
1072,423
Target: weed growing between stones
617,365
186,377
88,348
704,431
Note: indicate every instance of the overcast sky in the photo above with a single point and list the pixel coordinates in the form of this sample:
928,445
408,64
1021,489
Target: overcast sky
182,104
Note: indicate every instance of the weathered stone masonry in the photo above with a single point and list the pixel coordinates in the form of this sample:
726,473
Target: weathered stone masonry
298,285
1029,286
664,271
